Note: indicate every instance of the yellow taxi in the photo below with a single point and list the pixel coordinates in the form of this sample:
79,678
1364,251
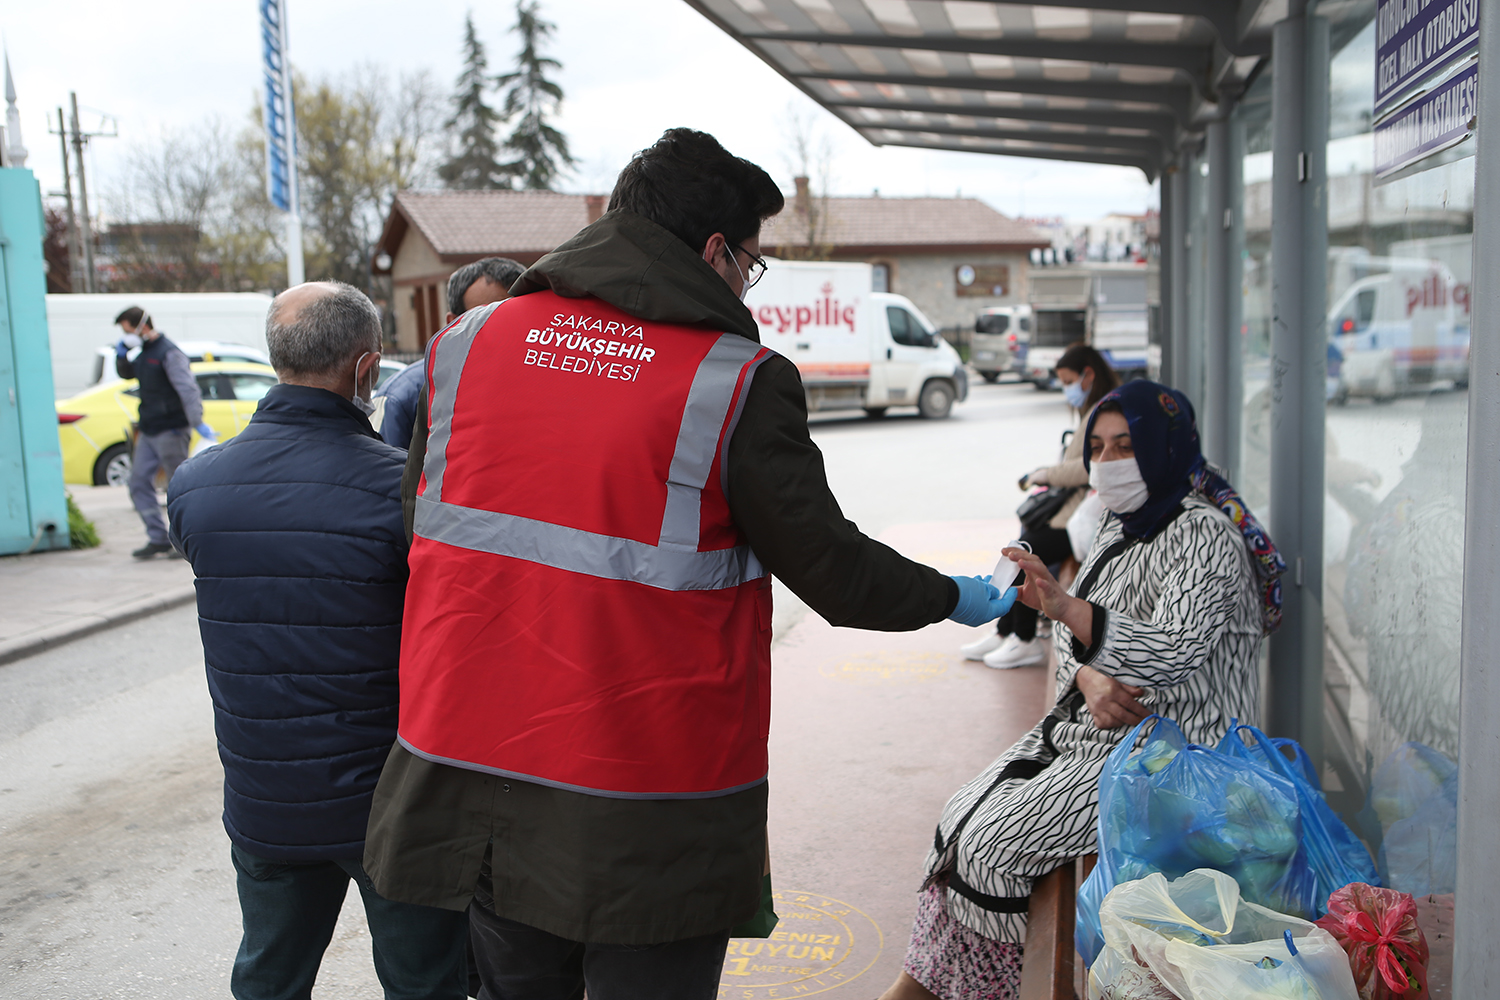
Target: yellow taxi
94,426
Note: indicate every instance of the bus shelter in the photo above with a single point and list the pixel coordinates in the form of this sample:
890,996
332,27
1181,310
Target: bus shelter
1325,219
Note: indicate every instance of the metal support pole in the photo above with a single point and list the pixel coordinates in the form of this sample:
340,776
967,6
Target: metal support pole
1178,284
1164,257
1234,314
85,232
1476,961
1299,260
1214,406
75,242
1196,236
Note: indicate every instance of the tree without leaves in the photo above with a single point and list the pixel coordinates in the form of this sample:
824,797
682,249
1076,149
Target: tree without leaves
540,151
808,152
476,164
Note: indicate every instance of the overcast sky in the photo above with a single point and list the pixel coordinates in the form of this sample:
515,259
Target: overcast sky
631,68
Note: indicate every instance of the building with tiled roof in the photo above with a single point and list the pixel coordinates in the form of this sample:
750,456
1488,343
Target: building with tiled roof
430,234
951,256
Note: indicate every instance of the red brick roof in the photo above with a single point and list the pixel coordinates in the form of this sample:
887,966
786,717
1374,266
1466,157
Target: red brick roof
528,224
469,223
897,222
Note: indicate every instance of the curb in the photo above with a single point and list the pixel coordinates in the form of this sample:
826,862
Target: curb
36,642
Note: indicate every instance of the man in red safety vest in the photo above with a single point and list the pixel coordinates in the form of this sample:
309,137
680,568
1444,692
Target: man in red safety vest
613,468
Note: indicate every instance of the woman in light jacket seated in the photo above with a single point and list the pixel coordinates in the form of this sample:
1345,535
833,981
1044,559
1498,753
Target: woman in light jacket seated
1012,641
1166,616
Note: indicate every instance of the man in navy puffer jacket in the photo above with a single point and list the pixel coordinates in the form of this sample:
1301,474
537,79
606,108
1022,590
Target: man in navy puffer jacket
294,532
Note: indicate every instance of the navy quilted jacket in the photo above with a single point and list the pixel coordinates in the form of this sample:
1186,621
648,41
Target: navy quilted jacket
294,532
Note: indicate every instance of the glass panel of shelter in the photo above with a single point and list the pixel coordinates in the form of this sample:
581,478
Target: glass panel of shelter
1399,262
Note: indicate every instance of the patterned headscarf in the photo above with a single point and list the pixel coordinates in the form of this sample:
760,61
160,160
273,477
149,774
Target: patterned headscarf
1164,433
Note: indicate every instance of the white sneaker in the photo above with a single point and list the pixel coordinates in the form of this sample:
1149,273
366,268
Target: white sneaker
1015,653
979,647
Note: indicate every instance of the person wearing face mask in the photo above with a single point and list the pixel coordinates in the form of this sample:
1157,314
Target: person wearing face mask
1167,616
1086,377
613,468
170,407
294,532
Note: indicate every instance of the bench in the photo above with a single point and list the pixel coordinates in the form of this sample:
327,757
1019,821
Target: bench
1049,968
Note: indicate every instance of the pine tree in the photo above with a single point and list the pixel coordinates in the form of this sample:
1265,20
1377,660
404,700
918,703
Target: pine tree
540,151
476,163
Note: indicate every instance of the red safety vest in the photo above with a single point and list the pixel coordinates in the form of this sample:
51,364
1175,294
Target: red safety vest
582,611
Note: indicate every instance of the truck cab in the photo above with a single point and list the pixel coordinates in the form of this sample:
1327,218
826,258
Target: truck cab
855,348
1001,337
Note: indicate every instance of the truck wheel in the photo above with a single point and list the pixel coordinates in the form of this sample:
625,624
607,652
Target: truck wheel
112,468
874,412
936,401
991,377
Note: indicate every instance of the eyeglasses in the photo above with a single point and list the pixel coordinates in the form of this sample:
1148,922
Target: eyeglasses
757,268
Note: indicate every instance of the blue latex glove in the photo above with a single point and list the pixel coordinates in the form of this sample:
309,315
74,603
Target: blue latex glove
209,434
979,602
120,349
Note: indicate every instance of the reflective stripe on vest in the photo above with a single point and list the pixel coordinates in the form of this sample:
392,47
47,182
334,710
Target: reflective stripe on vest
674,563
564,636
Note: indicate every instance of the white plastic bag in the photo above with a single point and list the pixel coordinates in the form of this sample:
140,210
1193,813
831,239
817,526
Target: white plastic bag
1196,939
1083,525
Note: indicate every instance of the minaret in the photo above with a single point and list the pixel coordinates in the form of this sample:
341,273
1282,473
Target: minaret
15,153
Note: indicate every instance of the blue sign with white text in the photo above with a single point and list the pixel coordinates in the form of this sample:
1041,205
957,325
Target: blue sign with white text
1442,117
1416,40
280,141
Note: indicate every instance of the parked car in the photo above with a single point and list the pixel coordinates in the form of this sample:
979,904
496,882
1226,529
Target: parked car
1001,336
94,426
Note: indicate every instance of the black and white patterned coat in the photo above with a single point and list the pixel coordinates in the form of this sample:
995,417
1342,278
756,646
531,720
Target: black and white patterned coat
1181,619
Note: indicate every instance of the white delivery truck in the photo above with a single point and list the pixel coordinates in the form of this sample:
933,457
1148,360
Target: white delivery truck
1406,325
79,325
1106,306
855,348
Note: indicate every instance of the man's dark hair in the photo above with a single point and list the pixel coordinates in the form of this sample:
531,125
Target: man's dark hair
501,270
693,187
1080,356
133,316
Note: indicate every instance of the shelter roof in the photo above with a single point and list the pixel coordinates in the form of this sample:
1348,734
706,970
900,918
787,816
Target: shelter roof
1104,81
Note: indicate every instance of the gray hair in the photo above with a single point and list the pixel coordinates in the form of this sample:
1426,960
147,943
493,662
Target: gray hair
501,270
327,333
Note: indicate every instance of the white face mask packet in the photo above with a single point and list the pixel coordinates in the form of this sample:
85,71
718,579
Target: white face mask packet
1119,485
1006,571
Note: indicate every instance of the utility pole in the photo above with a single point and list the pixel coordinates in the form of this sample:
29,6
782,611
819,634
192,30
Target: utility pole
75,245
85,233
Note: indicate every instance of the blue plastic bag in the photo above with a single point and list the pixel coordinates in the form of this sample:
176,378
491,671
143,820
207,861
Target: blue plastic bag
1173,806
1413,809
1334,853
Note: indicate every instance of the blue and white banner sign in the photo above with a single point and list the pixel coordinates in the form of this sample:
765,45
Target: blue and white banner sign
280,122
1416,40
1440,118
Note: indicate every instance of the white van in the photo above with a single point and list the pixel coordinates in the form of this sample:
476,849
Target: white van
1405,326
78,325
855,348
1001,337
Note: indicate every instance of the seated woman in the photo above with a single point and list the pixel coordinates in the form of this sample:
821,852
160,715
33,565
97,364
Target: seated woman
1086,379
1167,616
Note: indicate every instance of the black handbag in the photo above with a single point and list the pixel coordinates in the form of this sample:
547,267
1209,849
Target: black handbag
1041,507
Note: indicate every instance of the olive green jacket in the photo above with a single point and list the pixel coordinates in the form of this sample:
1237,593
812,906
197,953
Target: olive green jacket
631,871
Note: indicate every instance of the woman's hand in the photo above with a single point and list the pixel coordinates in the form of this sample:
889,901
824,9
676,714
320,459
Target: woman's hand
1043,592
1111,703
1037,478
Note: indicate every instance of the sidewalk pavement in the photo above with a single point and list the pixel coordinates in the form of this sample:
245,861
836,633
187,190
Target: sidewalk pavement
55,597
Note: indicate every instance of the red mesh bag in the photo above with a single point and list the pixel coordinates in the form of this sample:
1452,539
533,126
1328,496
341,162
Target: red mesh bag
1378,930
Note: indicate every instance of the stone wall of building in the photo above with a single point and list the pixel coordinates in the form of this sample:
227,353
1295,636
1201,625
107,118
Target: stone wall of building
930,280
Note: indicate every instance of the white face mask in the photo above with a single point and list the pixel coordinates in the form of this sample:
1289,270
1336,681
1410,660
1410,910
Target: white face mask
365,406
1120,485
